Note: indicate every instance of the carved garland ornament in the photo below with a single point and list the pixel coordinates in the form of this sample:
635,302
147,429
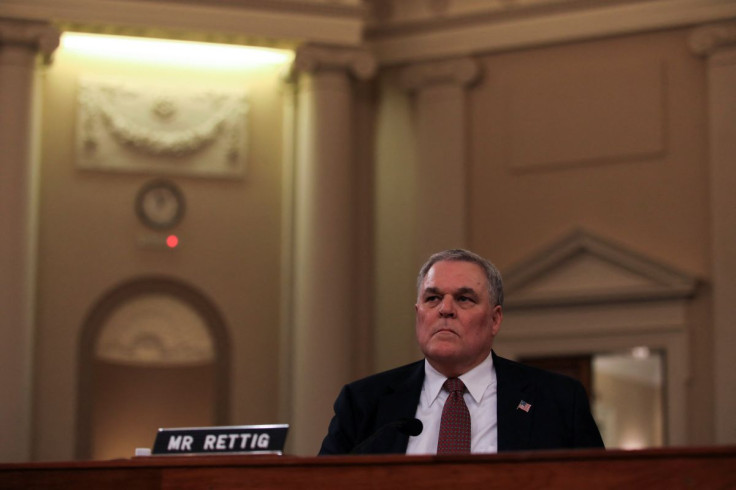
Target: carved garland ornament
95,103
202,130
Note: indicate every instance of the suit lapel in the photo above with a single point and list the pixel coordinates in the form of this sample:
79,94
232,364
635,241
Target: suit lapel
400,402
513,387
514,424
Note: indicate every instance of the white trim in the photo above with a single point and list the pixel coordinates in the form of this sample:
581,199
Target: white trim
578,321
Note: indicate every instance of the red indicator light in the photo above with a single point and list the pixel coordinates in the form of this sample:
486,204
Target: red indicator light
172,241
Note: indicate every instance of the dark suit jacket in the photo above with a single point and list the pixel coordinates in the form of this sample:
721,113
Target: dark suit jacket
559,416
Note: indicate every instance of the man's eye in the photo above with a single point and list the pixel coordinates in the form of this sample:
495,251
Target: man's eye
465,299
431,299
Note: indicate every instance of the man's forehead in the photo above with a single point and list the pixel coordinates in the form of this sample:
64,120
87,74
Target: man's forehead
454,274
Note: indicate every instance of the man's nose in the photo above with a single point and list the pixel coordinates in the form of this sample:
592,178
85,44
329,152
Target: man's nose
447,307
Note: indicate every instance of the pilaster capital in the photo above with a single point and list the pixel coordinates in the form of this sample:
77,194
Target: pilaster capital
311,58
40,37
456,71
706,40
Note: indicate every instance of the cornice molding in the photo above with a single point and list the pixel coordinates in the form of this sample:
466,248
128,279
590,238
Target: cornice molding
41,37
448,36
349,8
708,39
387,17
457,71
420,30
273,21
314,58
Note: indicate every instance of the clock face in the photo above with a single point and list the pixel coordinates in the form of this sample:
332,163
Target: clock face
160,204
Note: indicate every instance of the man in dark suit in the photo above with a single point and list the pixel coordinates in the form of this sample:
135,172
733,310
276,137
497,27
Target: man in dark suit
497,404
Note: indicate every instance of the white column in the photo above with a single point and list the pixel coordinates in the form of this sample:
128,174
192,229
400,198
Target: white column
718,43
323,278
20,42
441,151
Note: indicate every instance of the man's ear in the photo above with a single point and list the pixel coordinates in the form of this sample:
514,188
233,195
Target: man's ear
496,318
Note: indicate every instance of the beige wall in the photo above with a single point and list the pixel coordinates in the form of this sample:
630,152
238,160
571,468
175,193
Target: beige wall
230,244
646,188
610,136
607,135
132,402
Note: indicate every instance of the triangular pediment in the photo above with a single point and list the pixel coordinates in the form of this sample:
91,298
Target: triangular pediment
583,268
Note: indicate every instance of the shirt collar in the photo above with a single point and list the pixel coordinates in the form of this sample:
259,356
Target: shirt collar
476,380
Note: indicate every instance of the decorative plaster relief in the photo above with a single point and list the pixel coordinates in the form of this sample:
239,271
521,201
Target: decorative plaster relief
129,126
155,330
583,268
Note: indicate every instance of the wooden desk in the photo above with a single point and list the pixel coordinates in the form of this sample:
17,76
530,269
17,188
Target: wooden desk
699,468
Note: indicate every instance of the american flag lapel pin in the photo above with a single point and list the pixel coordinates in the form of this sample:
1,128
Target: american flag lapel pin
524,406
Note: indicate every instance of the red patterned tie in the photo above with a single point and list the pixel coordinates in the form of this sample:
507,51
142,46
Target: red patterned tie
455,423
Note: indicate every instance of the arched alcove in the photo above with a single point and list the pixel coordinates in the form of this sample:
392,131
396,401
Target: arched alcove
153,353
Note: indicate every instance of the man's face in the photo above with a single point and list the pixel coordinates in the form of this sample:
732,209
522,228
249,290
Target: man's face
455,321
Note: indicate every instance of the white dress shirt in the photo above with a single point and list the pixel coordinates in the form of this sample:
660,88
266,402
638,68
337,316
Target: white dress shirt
480,397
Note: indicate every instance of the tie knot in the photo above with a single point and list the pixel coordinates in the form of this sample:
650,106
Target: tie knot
454,384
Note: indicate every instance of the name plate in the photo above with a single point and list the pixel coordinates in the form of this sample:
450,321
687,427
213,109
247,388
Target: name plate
242,439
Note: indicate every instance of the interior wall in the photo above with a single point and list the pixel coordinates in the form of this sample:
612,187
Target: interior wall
701,399
130,403
90,242
609,135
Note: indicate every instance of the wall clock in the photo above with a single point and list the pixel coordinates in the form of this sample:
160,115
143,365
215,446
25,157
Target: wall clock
159,204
